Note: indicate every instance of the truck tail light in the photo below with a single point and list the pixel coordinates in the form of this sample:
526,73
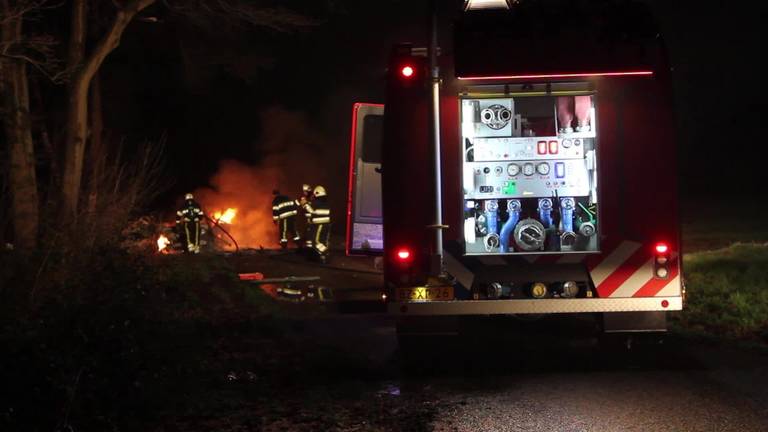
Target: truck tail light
661,248
403,255
407,71
661,261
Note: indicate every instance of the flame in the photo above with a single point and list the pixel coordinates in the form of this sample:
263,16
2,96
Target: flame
226,217
162,243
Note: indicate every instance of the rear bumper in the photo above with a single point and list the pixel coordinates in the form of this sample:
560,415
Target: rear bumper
530,306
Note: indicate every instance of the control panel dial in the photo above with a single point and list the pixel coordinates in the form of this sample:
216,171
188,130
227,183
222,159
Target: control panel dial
513,169
528,169
542,168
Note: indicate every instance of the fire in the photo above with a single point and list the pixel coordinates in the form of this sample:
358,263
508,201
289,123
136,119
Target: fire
162,243
226,217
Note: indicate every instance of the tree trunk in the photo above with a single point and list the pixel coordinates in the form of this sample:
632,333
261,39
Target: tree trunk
77,105
77,120
96,151
14,88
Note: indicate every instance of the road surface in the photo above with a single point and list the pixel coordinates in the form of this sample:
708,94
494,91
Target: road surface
498,374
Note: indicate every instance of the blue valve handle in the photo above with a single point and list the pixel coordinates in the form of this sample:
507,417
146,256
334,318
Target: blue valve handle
545,212
509,226
567,215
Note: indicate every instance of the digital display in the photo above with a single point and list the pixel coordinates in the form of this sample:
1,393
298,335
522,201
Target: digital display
486,189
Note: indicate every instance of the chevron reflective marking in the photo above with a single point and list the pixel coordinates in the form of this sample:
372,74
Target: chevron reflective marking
607,245
635,281
456,269
612,262
671,289
623,272
652,287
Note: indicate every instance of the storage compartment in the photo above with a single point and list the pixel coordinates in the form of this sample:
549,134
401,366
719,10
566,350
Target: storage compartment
529,169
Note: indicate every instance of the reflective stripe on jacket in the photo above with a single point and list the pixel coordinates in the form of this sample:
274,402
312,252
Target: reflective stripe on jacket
191,213
283,207
318,211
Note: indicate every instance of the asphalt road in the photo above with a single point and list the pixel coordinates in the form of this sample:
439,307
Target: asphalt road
502,374
493,378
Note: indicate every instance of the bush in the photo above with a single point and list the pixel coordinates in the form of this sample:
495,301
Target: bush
727,292
104,340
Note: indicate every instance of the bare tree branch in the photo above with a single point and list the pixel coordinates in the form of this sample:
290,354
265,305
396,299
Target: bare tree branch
37,50
221,13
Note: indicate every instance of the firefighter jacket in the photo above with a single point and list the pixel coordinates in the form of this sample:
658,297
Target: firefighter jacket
318,211
191,213
283,207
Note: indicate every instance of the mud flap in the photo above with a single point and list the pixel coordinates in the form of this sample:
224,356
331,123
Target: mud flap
626,322
426,326
424,341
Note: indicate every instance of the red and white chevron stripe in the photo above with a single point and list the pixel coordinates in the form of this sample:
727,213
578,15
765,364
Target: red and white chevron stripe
623,270
626,270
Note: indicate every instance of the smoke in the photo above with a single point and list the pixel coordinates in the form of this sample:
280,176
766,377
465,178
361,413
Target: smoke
292,153
249,190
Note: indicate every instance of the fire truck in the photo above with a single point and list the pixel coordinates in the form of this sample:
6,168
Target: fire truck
529,169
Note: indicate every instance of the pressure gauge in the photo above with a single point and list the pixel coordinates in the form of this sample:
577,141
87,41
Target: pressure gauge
567,143
528,169
542,168
513,169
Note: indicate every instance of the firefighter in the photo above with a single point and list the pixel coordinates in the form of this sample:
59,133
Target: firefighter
319,219
188,223
304,199
306,193
284,211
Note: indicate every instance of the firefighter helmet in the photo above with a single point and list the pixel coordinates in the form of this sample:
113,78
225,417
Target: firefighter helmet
306,188
319,191
189,196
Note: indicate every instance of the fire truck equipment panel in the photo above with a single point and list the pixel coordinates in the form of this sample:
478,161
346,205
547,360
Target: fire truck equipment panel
529,173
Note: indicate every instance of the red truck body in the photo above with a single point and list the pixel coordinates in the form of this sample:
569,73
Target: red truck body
543,215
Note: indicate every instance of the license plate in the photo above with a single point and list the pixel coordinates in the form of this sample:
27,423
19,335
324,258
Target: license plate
425,294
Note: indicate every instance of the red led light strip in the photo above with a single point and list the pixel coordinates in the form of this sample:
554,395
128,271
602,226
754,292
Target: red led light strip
564,75
353,144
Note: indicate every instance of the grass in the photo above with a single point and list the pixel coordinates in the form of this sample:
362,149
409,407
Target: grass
709,224
727,292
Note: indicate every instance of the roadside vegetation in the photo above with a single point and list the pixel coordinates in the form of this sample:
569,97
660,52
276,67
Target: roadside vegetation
109,340
727,293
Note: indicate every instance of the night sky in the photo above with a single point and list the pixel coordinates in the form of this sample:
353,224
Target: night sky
225,93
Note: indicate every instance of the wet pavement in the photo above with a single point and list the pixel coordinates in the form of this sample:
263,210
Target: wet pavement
551,373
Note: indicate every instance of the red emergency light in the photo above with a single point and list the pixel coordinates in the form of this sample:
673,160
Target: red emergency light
661,248
407,71
403,254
